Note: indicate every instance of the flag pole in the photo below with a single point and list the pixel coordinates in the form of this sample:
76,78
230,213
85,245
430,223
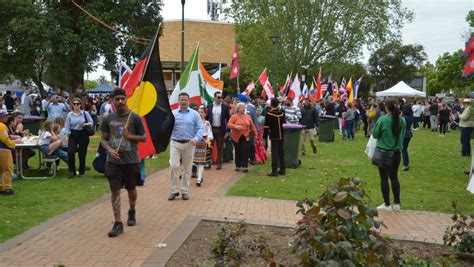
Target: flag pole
140,84
238,87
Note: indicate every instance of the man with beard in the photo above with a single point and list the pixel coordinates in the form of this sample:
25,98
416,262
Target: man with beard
121,133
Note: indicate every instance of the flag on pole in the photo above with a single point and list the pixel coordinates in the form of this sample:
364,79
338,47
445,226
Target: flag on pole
217,73
250,88
319,94
469,53
124,73
304,93
350,89
312,91
147,96
235,69
335,90
327,88
342,89
295,90
286,86
267,87
196,82
356,88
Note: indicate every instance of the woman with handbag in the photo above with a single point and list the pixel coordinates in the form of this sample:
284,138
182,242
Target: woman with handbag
390,131
79,127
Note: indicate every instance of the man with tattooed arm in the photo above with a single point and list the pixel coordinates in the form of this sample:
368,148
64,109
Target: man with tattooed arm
120,138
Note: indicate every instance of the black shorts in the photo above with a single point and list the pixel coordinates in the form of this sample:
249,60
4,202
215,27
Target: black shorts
120,176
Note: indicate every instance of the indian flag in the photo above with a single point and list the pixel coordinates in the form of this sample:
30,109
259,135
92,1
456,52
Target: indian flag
196,82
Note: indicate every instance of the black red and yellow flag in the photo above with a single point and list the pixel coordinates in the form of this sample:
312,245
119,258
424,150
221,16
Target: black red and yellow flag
147,96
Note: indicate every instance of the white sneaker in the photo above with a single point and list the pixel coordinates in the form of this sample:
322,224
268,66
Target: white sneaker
384,207
440,135
396,207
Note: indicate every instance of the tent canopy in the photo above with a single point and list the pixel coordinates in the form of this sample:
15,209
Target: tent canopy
401,89
104,88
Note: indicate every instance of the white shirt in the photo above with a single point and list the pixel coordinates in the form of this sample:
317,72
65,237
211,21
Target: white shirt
26,103
417,110
216,115
208,129
45,138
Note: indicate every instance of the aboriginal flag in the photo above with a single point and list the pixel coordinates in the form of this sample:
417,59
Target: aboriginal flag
146,95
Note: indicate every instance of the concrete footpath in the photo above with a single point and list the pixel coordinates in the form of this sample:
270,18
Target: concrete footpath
79,237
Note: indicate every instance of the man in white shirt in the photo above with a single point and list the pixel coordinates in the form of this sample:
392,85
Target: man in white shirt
26,104
417,110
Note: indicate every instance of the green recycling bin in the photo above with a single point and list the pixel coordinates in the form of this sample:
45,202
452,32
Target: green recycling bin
326,128
33,123
291,145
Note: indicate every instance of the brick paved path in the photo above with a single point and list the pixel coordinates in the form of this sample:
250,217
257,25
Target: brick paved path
81,239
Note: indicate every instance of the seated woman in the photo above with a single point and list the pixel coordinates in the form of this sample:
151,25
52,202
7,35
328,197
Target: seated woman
50,143
15,133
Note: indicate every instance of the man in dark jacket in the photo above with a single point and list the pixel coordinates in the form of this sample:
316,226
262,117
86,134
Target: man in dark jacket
273,127
218,115
310,120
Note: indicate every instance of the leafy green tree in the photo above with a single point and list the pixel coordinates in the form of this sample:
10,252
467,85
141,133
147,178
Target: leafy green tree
447,75
396,62
90,84
470,18
55,41
311,32
24,48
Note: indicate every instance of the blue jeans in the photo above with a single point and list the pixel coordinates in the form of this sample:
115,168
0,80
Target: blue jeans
406,161
466,141
58,153
350,129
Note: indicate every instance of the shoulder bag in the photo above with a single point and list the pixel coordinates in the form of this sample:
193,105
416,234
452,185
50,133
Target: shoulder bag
384,158
89,129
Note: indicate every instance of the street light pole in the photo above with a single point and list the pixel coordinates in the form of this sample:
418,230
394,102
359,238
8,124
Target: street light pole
274,39
182,36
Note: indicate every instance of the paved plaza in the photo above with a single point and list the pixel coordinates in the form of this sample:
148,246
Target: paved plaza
79,237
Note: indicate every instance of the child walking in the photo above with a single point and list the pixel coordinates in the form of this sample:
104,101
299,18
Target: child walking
203,150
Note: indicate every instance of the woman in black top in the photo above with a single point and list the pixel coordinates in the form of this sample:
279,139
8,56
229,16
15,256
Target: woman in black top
443,118
409,119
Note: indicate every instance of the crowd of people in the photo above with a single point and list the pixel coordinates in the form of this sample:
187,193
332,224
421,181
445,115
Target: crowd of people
230,128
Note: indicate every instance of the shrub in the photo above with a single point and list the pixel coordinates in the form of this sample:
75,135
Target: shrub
227,249
340,229
460,234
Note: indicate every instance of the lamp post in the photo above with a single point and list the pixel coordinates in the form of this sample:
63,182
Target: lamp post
274,39
305,76
182,35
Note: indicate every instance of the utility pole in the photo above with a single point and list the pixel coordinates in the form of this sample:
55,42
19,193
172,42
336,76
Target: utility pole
182,36
274,39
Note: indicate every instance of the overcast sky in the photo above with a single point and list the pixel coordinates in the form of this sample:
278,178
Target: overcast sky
438,24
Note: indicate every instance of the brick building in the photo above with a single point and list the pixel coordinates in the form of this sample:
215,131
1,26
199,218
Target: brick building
216,45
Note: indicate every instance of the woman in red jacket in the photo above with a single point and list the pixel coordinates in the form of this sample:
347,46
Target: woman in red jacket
241,125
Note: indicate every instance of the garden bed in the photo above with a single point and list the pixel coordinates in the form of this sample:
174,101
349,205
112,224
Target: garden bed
195,250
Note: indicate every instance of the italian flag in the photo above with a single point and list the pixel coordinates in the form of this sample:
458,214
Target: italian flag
197,83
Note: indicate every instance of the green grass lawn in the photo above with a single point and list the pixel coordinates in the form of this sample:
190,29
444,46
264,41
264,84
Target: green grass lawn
436,176
36,201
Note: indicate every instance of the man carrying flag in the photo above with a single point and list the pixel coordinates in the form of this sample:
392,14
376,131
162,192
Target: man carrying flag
122,130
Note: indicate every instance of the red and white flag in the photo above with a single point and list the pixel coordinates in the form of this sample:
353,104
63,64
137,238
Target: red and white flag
250,88
235,71
267,87
124,73
295,90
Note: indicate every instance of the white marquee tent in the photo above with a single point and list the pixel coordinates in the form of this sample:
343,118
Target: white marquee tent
401,89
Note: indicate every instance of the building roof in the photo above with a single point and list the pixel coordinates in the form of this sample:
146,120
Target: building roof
216,42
